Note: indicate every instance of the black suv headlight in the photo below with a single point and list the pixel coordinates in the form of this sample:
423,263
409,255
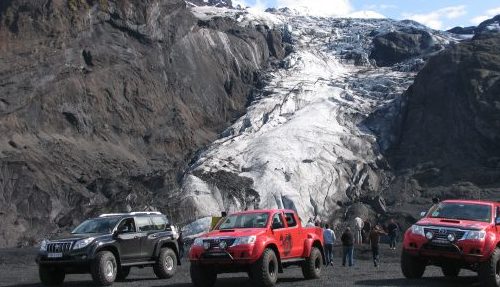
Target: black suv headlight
83,243
43,245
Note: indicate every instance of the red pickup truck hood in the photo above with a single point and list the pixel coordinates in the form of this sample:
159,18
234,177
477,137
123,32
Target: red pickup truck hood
235,232
462,224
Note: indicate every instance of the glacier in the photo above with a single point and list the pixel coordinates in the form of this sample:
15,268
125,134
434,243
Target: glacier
308,141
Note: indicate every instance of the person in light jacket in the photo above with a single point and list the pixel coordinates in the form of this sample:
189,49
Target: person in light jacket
329,239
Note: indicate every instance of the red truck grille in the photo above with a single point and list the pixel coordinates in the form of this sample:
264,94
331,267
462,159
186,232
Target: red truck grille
441,233
214,243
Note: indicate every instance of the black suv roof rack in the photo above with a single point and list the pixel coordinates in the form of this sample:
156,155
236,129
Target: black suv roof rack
131,213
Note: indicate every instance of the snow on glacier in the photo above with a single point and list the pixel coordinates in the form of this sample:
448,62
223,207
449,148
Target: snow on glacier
303,141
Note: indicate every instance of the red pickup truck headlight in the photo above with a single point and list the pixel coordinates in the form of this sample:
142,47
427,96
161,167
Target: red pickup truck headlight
198,242
244,240
417,229
475,235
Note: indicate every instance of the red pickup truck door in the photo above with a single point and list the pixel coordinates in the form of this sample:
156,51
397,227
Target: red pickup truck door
281,235
297,234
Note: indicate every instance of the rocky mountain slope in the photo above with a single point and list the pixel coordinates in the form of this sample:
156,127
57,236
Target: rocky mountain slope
104,103
450,137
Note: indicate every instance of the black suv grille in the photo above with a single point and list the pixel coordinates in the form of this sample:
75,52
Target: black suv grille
441,233
214,243
59,247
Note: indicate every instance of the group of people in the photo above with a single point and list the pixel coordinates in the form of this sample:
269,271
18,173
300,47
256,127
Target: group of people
349,239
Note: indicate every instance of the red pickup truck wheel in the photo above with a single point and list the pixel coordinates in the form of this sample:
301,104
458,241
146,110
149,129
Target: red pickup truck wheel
312,267
202,277
451,271
411,266
265,271
489,271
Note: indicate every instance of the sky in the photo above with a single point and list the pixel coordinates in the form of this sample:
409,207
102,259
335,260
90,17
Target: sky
437,14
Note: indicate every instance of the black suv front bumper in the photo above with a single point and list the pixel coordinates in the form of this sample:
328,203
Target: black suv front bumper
72,261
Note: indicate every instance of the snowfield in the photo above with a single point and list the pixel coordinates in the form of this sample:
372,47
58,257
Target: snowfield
308,142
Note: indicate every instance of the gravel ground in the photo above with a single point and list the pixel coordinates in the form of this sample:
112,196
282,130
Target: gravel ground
17,268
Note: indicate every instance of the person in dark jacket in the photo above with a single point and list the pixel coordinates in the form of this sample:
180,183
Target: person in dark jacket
374,238
347,246
392,230
180,242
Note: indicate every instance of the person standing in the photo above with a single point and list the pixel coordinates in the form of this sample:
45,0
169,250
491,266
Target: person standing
374,238
367,228
329,239
392,230
358,225
347,247
180,242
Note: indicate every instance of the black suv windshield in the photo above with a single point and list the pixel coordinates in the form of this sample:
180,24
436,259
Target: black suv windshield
97,225
462,211
246,220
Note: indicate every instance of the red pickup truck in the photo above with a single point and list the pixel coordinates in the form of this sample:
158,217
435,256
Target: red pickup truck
261,243
455,234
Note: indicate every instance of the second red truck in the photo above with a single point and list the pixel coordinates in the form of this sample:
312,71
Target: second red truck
261,243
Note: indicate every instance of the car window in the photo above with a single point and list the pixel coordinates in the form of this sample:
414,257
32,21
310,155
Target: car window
143,224
290,219
159,223
277,221
244,220
463,211
127,226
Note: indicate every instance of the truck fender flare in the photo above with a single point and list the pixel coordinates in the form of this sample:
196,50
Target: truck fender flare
170,243
309,243
272,245
106,247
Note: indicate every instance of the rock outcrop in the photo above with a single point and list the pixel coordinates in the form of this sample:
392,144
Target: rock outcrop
450,136
104,103
398,46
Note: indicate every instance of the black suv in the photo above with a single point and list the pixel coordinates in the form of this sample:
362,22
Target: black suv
108,246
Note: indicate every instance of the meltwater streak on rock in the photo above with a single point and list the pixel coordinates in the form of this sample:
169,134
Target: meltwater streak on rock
312,138
103,103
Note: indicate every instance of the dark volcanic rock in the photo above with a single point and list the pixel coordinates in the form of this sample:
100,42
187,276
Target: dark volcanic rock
450,137
398,46
463,30
103,103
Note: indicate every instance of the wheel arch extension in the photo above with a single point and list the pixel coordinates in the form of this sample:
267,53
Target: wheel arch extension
169,244
318,245
111,249
274,247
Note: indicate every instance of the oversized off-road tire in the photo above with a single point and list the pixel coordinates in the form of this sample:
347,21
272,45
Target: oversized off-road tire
411,266
123,273
312,267
202,277
489,271
50,276
104,268
450,271
166,264
265,270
